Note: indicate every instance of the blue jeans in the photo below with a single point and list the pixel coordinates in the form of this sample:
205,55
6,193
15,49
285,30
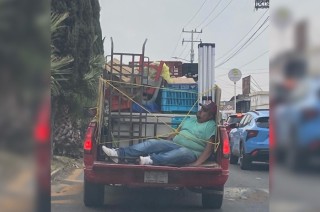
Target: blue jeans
161,152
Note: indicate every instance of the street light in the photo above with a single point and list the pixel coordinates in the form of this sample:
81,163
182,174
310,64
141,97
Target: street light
179,58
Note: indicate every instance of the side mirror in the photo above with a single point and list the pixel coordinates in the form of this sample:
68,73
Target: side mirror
234,125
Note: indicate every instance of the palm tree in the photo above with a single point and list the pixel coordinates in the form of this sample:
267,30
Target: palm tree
68,102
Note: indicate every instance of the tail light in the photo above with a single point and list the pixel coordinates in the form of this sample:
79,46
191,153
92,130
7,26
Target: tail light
41,132
226,145
251,134
87,145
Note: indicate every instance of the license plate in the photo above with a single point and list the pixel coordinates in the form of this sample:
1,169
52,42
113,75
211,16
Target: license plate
155,177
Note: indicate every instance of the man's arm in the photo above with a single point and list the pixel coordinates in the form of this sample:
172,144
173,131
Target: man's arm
205,154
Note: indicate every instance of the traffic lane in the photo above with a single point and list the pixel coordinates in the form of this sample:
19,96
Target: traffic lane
123,199
67,195
257,177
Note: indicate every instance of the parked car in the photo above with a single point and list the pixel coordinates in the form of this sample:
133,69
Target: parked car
297,126
231,120
249,141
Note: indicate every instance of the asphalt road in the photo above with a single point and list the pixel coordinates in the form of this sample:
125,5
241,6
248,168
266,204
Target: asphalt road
246,191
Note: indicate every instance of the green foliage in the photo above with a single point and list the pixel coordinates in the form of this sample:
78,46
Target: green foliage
59,70
77,59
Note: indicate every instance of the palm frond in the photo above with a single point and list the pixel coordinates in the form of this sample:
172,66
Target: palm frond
56,20
59,64
91,78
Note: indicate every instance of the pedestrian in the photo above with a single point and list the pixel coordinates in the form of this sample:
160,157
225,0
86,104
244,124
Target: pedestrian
192,145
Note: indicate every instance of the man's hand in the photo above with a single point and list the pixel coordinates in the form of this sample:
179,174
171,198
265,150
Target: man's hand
173,134
205,154
170,137
194,164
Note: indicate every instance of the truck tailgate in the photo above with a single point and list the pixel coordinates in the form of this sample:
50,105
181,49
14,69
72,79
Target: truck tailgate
210,174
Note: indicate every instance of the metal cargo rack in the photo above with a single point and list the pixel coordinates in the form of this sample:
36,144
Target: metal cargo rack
125,77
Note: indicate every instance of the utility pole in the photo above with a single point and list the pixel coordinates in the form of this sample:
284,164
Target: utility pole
191,41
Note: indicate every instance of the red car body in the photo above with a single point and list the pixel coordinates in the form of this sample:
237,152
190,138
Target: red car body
209,177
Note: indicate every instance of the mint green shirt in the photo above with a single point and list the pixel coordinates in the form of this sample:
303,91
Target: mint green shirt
194,135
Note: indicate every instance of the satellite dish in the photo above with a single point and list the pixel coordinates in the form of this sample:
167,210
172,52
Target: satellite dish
234,75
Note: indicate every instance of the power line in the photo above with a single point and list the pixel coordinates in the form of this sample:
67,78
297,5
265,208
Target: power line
204,20
185,56
195,14
256,37
249,63
253,84
250,69
248,44
242,37
254,59
183,51
263,72
218,14
243,44
256,83
174,51
252,89
229,83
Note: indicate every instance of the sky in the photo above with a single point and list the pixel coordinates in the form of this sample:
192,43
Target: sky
282,34
227,23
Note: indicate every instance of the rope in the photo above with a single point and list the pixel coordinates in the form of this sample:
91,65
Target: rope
174,131
149,86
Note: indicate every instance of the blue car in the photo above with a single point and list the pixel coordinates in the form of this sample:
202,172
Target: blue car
249,141
297,124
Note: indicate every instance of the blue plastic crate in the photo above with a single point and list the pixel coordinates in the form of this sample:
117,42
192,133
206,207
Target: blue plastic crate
175,101
179,109
191,87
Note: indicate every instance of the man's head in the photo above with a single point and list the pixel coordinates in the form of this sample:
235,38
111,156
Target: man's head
207,112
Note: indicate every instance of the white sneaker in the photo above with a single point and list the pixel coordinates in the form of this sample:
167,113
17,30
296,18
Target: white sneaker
145,160
112,153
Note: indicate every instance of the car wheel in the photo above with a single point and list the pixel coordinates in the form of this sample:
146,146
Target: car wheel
213,199
245,161
93,194
234,159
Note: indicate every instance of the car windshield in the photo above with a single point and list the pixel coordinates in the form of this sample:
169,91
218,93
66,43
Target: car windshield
233,119
262,122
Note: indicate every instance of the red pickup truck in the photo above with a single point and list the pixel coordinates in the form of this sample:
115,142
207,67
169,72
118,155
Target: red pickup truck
209,179
112,125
